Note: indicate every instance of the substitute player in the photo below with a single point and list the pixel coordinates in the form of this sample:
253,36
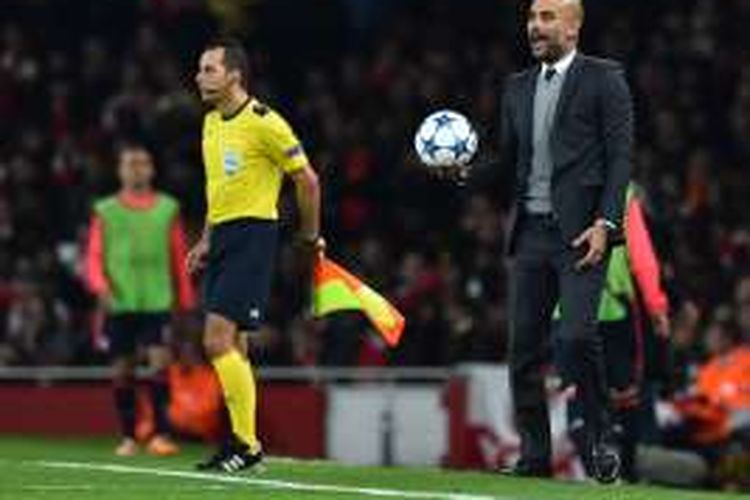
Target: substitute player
247,149
135,266
633,273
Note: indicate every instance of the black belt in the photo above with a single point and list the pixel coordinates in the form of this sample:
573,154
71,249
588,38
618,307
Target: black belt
547,220
542,217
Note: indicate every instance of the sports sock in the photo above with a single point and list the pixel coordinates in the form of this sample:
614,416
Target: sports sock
238,385
124,395
159,392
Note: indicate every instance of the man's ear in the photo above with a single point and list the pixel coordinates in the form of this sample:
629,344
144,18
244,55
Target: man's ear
235,76
572,34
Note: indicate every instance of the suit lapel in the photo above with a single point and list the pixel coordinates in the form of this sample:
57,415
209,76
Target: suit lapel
528,103
568,88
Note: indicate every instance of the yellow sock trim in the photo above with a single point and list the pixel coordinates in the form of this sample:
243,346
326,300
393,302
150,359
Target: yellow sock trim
238,384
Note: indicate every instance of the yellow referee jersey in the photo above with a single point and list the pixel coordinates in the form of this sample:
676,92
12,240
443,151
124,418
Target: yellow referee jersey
245,157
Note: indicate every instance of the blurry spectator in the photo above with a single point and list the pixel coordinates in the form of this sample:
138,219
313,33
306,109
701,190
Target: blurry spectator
742,306
136,267
714,416
195,405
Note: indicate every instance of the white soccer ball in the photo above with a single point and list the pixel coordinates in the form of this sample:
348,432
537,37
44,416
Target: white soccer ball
446,138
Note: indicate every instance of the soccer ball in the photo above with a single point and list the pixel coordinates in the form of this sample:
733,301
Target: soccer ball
446,138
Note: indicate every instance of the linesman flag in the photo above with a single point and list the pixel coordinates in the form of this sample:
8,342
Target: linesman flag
336,289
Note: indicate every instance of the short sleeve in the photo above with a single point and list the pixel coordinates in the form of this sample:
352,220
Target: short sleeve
283,146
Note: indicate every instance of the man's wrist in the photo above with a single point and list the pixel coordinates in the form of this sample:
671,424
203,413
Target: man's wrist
606,224
308,238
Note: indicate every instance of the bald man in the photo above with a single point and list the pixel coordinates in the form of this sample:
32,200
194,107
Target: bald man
567,131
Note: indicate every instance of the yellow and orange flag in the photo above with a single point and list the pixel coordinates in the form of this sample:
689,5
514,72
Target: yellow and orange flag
336,289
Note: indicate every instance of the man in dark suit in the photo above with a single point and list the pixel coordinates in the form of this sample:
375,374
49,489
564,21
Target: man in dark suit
567,130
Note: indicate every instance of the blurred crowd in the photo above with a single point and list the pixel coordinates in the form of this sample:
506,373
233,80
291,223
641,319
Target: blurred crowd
76,80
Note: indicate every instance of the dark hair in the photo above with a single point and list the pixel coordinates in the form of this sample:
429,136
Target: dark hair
130,145
126,145
235,56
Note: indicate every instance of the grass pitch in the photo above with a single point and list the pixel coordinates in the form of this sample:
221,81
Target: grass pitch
54,469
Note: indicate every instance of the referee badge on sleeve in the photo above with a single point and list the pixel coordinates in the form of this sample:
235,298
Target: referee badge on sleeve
293,151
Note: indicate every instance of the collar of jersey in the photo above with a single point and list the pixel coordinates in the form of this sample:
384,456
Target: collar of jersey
238,110
138,201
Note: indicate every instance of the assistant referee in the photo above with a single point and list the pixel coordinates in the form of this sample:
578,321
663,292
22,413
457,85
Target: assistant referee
247,150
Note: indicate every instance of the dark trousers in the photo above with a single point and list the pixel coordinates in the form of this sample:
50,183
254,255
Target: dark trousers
622,353
543,272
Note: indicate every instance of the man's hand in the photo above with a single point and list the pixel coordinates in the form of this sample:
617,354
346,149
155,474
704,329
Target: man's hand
662,325
595,238
197,256
310,251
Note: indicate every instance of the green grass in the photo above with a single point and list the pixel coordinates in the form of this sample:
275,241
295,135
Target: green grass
32,468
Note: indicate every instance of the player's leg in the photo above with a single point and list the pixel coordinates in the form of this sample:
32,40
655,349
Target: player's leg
237,288
621,351
153,333
223,348
122,351
582,363
242,344
623,392
230,362
158,385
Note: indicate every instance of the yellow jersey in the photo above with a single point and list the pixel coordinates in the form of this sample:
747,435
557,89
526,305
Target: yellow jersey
245,158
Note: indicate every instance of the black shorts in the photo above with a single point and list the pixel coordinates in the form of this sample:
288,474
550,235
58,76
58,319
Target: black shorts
126,331
239,270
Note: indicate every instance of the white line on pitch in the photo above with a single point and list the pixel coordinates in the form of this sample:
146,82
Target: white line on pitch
91,487
55,487
266,483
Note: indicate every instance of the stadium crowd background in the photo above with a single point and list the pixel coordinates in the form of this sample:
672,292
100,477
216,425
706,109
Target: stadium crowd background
356,77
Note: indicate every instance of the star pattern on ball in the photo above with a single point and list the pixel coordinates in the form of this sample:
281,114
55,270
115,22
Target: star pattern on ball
461,147
429,146
443,120
445,138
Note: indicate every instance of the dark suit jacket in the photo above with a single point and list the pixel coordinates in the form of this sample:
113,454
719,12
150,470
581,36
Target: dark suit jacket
591,143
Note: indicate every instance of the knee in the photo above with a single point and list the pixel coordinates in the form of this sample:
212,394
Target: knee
216,345
218,338
123,371
158,358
